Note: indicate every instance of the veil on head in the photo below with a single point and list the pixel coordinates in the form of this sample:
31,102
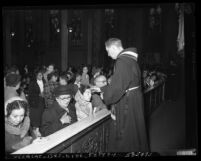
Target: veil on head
10,101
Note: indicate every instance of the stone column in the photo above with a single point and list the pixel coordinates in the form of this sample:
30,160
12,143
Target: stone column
8,45
89,37
21,37
64,40
97,37
46,28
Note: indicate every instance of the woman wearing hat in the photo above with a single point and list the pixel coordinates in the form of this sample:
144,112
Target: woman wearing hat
61,113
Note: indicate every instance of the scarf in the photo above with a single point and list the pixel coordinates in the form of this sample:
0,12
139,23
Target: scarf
21,130
81,105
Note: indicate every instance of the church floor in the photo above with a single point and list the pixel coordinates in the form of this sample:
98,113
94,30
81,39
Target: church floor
167,127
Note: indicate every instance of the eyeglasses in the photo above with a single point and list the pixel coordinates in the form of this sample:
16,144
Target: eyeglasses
65,98
103,81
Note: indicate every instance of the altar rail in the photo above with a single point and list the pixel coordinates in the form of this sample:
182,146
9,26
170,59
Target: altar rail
90,134
153,97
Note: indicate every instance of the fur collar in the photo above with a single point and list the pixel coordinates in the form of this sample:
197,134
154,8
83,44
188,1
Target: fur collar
20,130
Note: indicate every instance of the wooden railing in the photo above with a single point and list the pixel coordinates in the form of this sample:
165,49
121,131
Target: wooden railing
153,97
87,135
90,134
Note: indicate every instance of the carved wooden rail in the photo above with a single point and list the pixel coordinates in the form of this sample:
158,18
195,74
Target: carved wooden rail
153,97
90,134
87,135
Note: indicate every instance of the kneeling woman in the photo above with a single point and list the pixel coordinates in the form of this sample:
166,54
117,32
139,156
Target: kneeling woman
83,105
17,124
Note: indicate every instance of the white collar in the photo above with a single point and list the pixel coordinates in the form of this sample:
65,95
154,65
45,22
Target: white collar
39,81
130,53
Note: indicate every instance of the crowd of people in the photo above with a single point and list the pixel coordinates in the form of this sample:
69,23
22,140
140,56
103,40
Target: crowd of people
42,101
45,100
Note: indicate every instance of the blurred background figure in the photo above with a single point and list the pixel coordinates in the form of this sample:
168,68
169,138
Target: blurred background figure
85,76
36,101
97,103
49,88
13,82
49,69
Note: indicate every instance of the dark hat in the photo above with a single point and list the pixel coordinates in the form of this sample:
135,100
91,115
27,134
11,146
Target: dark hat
12,79
63,90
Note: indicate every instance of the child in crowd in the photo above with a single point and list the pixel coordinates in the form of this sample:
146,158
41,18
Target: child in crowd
63,80
83,105
96,73
85,76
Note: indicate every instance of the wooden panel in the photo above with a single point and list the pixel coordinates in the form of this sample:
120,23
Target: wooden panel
90,143
91,140
153,97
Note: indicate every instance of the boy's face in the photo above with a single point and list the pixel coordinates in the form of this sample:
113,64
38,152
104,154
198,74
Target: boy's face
78,78
54,78
50,68
62,81
87,95
85,70
39,76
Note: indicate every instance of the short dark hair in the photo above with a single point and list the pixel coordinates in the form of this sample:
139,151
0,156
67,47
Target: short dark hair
17,104
12,80
113,41
63,75
51,64
12,69
77,74
38,70
83,88
50,75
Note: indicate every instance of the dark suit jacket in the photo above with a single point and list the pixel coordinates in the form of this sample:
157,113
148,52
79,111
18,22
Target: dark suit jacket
51,118
36,103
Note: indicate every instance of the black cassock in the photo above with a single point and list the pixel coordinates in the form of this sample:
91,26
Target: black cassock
128,132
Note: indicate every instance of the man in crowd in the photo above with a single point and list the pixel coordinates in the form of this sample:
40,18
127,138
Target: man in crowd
60,114
12,85
49,88
97,103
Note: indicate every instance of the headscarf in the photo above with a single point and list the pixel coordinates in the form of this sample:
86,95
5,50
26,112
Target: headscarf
25,125
82,107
